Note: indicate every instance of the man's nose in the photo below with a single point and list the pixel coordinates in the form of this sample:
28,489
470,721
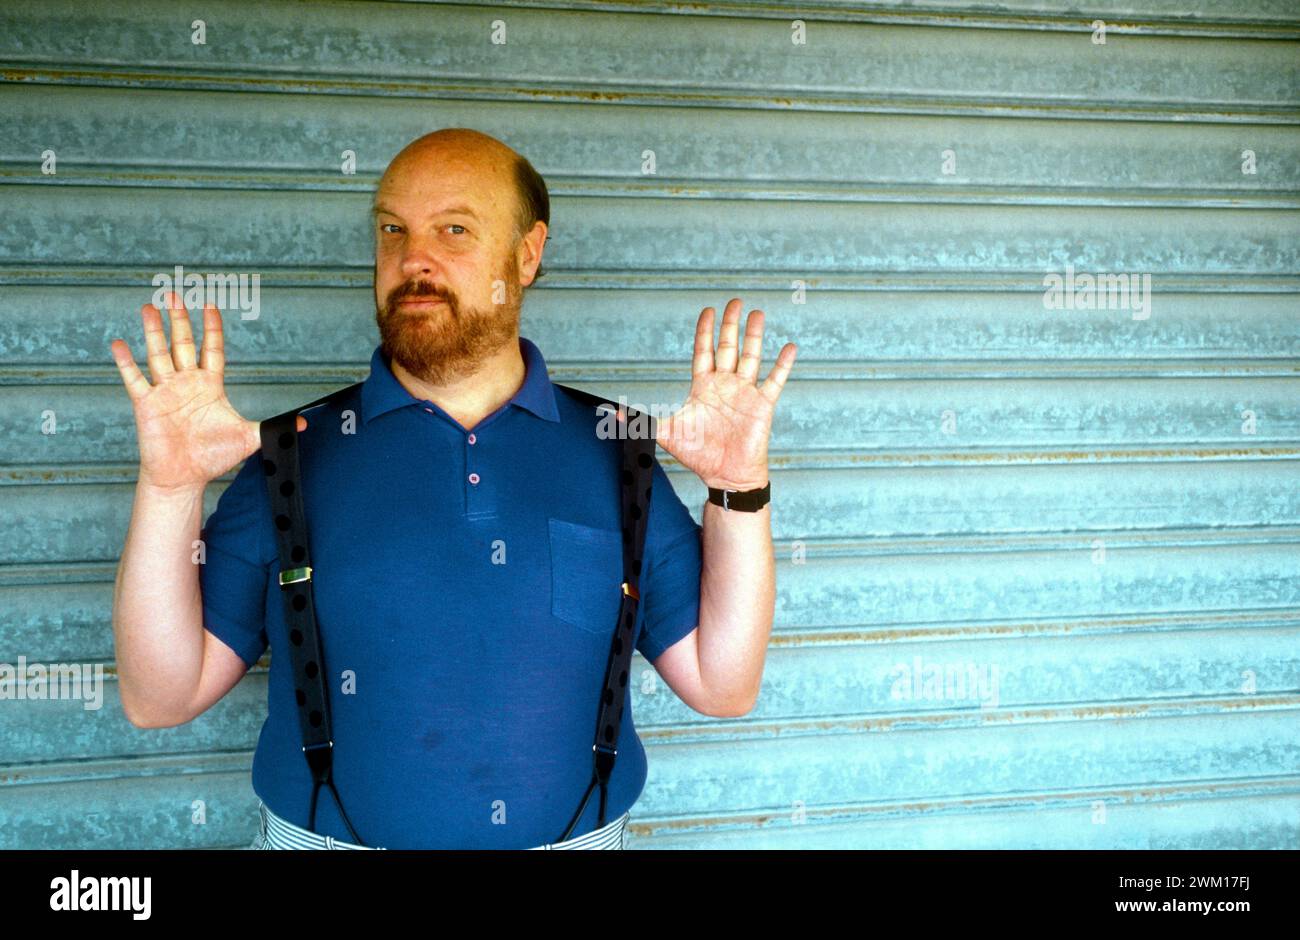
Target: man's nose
419,258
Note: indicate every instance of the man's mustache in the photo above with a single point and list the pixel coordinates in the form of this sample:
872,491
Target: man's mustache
422,290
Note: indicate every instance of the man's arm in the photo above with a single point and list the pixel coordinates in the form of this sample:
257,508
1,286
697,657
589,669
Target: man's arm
170,669
721,434
718,667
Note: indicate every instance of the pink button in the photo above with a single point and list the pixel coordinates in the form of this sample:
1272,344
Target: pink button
472,438
430,410
473,478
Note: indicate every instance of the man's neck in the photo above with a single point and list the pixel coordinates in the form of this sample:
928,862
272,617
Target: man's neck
471,398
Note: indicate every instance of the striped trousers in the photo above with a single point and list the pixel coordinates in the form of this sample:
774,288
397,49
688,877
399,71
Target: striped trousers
276,832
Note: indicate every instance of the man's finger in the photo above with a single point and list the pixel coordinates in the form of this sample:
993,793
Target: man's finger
213,355
182,337
137,386
725,360
702,363
155,340
775,381
752,353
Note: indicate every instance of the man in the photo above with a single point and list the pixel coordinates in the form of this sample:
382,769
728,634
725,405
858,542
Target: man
465,539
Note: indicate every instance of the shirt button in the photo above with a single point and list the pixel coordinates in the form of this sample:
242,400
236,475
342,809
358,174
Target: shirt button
472,438
473,478
430,410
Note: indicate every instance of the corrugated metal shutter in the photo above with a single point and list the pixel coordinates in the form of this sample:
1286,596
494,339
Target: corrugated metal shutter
1103,508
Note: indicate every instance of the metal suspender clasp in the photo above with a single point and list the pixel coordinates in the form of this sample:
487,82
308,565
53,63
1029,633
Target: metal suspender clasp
604,761
294,575
631,591
319,759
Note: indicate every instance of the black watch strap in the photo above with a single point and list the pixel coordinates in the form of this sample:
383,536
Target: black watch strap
742,500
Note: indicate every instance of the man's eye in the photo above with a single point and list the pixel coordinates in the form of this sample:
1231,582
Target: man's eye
392,227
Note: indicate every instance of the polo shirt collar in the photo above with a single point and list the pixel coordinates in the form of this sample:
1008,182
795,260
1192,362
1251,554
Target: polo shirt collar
381,392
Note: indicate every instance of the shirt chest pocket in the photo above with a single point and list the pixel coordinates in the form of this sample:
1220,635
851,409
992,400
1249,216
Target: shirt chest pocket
586,574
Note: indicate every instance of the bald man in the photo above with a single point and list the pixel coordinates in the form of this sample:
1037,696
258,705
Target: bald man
465,534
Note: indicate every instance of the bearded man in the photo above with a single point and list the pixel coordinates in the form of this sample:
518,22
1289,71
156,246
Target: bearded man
464,537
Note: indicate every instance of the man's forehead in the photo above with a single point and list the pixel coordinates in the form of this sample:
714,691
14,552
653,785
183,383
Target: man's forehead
433,182
446,160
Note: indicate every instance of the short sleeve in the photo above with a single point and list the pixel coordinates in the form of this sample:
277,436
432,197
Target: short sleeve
239,548
670,586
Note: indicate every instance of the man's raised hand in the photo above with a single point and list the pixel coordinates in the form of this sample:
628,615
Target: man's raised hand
188,431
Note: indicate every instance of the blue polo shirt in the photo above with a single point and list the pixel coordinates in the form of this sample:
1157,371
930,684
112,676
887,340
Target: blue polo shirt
466,586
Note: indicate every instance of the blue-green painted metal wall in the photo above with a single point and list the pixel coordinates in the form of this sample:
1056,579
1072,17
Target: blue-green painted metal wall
1105,509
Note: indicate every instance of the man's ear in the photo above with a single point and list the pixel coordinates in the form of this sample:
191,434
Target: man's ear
529,253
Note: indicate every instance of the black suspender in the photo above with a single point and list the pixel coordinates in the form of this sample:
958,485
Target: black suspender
284,487
635,477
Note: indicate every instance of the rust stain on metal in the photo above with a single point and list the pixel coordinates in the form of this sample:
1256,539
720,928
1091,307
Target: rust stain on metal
1042,456
1002,716
843,636
764,818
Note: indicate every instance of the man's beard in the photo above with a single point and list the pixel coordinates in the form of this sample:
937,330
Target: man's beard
449,342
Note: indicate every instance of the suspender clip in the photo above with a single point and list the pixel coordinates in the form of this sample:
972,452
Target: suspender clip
294,575
319,759
604,762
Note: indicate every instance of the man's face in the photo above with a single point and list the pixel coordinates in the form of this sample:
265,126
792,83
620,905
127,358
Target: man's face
447,290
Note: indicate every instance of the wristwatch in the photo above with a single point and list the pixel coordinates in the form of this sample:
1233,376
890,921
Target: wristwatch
742,500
